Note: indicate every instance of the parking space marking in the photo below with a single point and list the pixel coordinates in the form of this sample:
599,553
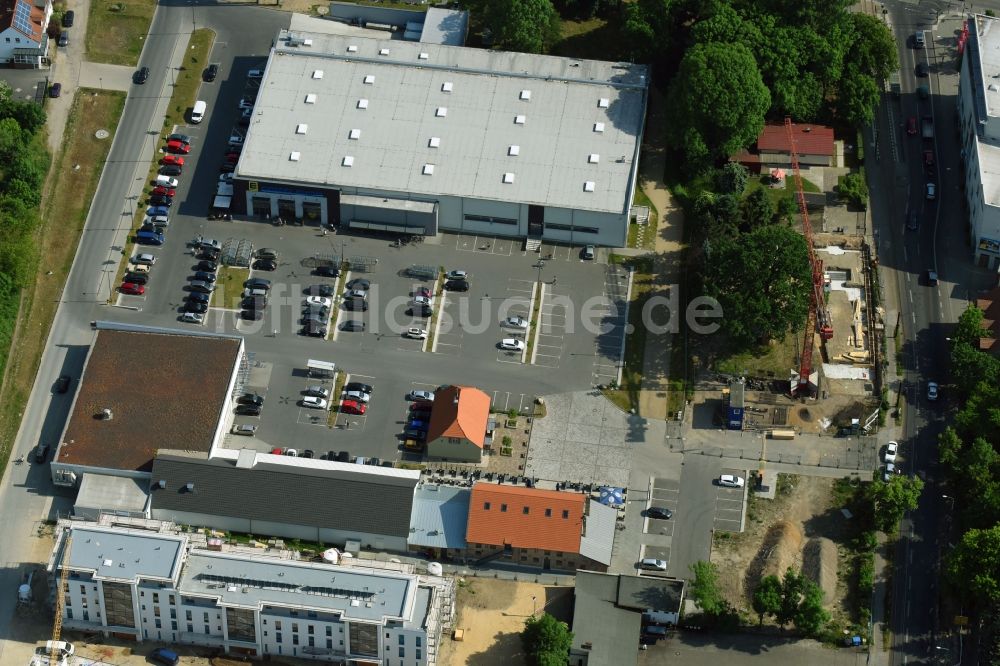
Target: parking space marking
351,421
503,247
609,346
311,417
504,401
729,504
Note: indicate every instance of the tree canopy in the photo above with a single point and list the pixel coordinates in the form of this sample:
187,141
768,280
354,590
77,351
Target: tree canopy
893,498
546,640
973,566
530,26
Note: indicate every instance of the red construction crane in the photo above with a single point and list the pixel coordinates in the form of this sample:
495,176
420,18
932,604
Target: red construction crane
819,313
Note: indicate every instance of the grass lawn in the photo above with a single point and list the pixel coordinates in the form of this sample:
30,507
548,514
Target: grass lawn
64,211
229,287
781,192
774,360
116,31
595,39
626,396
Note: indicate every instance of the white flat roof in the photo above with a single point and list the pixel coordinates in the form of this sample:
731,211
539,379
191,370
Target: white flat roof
470,99
988,31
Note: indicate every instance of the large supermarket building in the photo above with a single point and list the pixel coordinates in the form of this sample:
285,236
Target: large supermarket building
418,138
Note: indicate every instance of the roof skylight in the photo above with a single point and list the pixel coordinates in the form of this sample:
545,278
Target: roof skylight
428,169
514,150
352,48
435,142
598,127
603,102
441,112
424,56
508,178
519,120
447,86
347,161
362,103
354,134
593,158
317,73
311,98
588,186
301,128
526,95
369,79
294,156
383,51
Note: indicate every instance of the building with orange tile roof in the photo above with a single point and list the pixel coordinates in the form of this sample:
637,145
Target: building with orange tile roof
542,528
457,430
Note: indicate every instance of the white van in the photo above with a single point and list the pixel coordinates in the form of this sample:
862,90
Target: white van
198,112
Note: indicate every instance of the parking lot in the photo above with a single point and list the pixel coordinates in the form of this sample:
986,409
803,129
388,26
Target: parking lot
463,343
729,505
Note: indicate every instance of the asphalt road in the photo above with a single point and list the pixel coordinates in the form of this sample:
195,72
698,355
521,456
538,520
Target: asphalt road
897,178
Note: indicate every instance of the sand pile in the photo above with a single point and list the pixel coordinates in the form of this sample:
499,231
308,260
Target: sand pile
819,564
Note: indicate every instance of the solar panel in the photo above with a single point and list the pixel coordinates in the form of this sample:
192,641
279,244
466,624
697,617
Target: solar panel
22,18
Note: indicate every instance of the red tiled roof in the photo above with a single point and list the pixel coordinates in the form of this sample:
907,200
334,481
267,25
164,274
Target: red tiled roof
459,411
554,520
809,139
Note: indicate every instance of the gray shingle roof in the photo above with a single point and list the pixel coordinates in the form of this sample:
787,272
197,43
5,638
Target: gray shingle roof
323,495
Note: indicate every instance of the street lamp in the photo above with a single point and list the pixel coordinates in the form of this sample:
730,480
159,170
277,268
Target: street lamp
534,607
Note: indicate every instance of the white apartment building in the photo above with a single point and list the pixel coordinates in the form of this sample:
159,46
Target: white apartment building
168,588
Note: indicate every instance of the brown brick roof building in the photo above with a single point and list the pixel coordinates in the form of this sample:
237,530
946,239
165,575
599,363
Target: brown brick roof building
460,411
989,303
501,515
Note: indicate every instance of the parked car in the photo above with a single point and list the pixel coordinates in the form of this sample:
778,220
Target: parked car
360,284
653,564
42,453
211,72
659,512
515,322
149,238
197,307
144,258
456,285
891,449
68,18
165,180
132,288
55,90
248,410
164,191
423,291
137,278
246,429
178,147
356,304
62,384
352,325
64,38
512,344
315,331
141,75
317,391
353,407
358,396
170,170
932,391
209,243
161,200
359,386
183,138
266,253
588,253
731,481
327,271
456,275
425,396
251,399
172,159
319,300
165,656
207,265
312,402
922,69
421,300
911,125
193,318
254,303
320,290
198,297
257,283
931,191
202,286
265,265
416,333
204,276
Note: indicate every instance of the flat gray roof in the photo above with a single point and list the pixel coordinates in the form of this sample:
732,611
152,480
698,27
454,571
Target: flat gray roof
256,581
124,556
610,633
435,120
445,26
440,516
986,42
650,593
112,493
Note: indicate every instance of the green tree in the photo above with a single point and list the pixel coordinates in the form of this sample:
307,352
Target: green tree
756,210
874,48
853,188
767,597
705,588
717,102
792,587
973,566
857,97
762,280
732,178
788,208
893,498
970,367
546,640
971,327
810,616
530,26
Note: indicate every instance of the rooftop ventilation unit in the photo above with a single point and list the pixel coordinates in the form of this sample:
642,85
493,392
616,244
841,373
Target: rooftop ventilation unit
162,483
525,95
311,98
519,120
441,112
294,157
593,158
189,487
447,86
107,414
588,186
362,104
598,127
428,169
369,79
307,42
514,150
317,73
424,56
508,178
348,161
352,48
435,142
354,134
383,51
301,128
603,102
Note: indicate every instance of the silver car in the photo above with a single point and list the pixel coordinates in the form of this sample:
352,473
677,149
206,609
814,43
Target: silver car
360,396
317,391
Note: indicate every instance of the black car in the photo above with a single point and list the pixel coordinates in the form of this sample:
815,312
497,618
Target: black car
359,386
257,283
67,19
352,325
211,72
198,297
265,265
327,271
313,319
137,278
62,384
308,453
252,315
170,170
209,253
228,167
64,38
344,456
161,200
659,512
183,138
456,285
248,410
356,304
359,283
315,331
420,311
141,75
204,276
413,433
374,462
251,399
41,453
320,290
254,303
206,265
196,306
921,69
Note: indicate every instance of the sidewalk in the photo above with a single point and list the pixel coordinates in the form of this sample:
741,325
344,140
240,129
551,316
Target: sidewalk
666,258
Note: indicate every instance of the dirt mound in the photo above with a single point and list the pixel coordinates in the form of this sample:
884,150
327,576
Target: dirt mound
819,564
779,551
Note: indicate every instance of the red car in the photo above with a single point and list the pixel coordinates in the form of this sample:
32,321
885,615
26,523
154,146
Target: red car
132,288
423,291
911,125
929,158
233,158
353,407
277,451
164,191
172,159
178,147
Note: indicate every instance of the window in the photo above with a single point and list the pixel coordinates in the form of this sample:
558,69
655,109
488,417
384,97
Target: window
526,510
156,598
329,630
158,623
548,513
83,589
565,513
190,628
503,508
402,639
173,626
277,636
156,611
312,642
489,219
329,644
402,652
187,615
486,507
418,655
69,611
419,643
173,613
295,627
309,629
277,625
206,617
